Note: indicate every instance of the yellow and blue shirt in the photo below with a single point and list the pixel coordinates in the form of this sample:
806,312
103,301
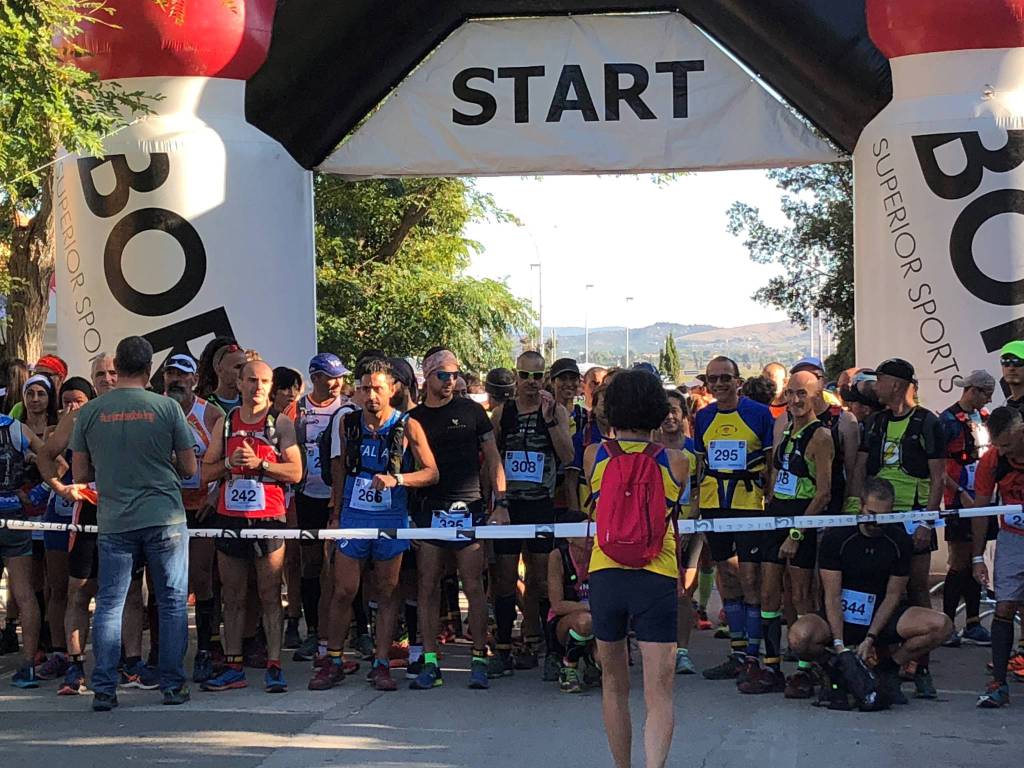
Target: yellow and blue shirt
733,446
665,563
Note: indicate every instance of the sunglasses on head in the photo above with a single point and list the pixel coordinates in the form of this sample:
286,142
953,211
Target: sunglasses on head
1011,361
445,376
527,375
724,378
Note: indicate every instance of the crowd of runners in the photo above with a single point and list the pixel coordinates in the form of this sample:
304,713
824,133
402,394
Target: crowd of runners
231,442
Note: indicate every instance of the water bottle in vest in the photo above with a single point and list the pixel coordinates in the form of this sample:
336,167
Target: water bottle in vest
631,514
12,463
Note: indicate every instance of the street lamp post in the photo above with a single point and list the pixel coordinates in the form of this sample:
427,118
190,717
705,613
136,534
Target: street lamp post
628,299
586,321
540,307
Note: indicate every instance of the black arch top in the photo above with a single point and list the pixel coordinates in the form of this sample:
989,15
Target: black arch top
331,62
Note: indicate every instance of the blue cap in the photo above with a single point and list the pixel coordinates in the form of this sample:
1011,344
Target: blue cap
643,365
807,362
328,364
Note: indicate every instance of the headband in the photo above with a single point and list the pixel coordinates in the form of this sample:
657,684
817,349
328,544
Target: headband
438,360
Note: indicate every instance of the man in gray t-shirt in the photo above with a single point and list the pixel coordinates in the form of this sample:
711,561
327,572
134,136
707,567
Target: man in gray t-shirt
137,446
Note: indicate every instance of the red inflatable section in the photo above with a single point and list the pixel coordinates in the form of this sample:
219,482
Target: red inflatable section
906,27
207,38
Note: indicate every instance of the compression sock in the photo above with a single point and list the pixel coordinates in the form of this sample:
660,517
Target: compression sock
1002,642
754,630
204,623
806,666
705,583
772,623
972,597
505,616
952,589
310,590
736,616
576,646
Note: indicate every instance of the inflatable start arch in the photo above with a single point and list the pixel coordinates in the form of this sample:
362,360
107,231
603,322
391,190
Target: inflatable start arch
198,220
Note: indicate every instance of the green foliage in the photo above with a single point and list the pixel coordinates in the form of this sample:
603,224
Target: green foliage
390,262
668,359
815,250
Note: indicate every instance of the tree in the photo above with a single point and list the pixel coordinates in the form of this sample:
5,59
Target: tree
47,104
390,260
668,359
815,250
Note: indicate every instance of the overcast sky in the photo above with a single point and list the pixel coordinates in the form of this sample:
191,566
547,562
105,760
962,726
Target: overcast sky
666,246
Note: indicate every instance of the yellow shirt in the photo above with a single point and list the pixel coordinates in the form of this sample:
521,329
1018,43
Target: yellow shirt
665,563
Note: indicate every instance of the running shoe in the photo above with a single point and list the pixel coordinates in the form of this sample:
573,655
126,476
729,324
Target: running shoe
750,667
230,678
103,702
380,678
763,680
590,672
307,649
569,680
500,665
327,676
25,677
684,664
727,670
175,696
364,647
892,685
924,688
525,657
552,667
1016,665
975,634
202,667
996,695
703,622
953,641
138,675
291,639
430,677
413,670
722,633
478,677
54,667
800,685
273,680
74,682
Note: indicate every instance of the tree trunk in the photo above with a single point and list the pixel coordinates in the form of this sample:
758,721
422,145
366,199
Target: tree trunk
31,270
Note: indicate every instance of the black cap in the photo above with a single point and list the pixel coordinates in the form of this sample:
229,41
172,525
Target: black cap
897,368
403,372
563,365
500,382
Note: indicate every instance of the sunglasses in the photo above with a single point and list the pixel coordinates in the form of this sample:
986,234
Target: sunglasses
527,375
1011,362
445,376
724,378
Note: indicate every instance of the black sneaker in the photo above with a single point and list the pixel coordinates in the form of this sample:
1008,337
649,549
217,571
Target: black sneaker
306,650
728,670
891,685
525,657
103,702
174,696
202,667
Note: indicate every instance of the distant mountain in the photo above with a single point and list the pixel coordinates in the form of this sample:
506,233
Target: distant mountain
613,339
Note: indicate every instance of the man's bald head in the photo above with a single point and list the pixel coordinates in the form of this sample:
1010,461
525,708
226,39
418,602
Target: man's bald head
801,392
254,382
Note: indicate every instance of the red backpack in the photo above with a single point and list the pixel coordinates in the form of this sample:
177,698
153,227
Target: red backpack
631,520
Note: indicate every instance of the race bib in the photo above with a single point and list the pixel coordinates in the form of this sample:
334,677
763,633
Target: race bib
244,494
63,507
858,607
524,466
786,481
1014,520
447,518
366,498
727,454
971,471
191,483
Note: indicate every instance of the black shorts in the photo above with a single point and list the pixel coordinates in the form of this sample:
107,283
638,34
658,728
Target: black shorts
623,599
958,529
748,546
931,546
692,546
193,521
248,549
540,512
854,634
83,556
311,515
807,553
424,518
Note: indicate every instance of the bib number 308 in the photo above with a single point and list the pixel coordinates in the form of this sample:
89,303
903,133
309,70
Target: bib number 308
524,466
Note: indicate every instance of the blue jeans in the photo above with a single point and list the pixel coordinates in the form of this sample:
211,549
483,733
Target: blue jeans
165,550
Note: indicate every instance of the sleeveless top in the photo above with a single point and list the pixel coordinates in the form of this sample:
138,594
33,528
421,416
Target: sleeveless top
193,493
360,496
242,494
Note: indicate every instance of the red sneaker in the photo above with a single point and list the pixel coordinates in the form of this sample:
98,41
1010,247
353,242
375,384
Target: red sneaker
380,678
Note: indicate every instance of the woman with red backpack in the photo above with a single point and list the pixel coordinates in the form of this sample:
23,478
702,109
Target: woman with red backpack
636,485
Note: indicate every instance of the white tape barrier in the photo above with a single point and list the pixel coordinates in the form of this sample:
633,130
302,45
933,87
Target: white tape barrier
557,530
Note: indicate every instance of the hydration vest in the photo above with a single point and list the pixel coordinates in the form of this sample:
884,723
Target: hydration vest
12,462
353,426
797,462
913,458
969,453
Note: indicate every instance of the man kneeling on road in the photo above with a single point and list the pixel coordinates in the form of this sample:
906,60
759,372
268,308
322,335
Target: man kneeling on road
864,573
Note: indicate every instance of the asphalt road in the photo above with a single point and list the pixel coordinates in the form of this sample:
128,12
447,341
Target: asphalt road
521,722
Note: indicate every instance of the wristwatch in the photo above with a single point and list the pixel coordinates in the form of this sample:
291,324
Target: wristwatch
796,534
399,480
264,465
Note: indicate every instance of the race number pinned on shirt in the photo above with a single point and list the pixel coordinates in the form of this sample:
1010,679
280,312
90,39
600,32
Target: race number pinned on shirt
727,454
786,481
451,518
524,466
244,494
971,470
191,482
858,607
1014,520
63,507
369,499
